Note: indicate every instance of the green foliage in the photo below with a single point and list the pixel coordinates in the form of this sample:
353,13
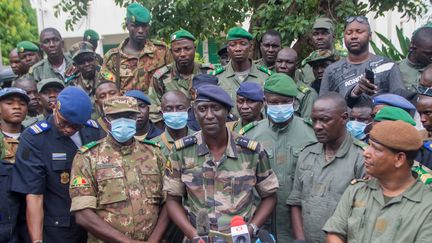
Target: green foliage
388,49
17,23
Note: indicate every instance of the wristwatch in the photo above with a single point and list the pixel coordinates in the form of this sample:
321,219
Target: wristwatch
37,241
254,230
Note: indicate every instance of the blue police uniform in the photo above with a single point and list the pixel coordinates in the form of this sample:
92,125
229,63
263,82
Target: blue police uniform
9,206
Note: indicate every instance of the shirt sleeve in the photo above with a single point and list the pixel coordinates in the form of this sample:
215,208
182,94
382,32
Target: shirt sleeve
338,222
29,172
267,182
395,79
294,199
173,184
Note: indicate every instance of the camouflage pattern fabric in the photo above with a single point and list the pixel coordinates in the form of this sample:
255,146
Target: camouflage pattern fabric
225,187
123,184
120,104
167,142
10,148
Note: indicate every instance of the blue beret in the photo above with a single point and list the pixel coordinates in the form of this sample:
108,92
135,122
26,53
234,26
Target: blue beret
393,100
6,92
74,105
138,95
251,90
203,79
214,93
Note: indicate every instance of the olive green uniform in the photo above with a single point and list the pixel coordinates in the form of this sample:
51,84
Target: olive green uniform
30,120
306,97
235,126
410,73
362,215
319,184
283,145
260,62
166,142
43,70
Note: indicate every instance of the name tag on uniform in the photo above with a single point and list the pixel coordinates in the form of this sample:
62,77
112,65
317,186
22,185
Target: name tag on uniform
58,156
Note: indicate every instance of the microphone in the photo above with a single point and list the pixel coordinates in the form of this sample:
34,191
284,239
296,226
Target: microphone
265,237
203,227
239,230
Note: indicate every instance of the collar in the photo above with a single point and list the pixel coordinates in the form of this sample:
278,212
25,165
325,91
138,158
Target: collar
148,49
342,150
414,193
177,75
278,129
415,66
253,69
231,149
122,149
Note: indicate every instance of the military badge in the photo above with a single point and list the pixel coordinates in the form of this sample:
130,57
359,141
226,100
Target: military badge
64,177
79,181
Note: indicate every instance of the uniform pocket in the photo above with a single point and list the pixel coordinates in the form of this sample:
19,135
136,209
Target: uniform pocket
111,185
153,186
356,221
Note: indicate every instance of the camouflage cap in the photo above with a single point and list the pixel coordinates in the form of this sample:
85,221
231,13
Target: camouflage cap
324,23
320,56
138,13
182,34
120,104
91,35
81,47
50,81
27,46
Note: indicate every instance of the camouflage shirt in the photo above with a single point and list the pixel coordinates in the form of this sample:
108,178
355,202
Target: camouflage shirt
9,148
123,184
43,70
135,73
225,187
167,142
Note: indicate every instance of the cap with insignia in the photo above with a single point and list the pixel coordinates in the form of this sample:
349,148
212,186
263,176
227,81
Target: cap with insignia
236,33
51,82
324,23
318,56
391,113
251,91
393,100
407,138
80,48
138,95
204,79
27,46
7,92
282,84
138,13
182,34
214,93
91,35
74,105
120,104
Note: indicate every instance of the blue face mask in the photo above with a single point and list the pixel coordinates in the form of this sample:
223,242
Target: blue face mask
280,113
175,120
123,129
356,129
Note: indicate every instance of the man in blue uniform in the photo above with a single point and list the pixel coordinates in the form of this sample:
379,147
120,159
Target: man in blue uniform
43,163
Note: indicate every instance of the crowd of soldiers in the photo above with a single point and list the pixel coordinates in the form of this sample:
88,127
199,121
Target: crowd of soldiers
132,146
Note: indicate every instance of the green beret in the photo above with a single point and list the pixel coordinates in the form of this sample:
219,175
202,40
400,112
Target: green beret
91,35
26,46
182,34
320,56
236,33
282,84
324,23
391,113
138,13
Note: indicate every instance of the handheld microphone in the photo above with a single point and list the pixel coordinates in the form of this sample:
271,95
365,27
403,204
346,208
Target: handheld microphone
239,230
265,237
203,227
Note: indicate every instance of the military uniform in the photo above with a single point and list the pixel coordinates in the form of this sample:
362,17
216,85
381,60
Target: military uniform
283,145
43,70
306,97
318,184
424,156
166,142
260,62
305,75
362,215
30,120
225,187
132,72
123,184
410,73
235,126
43,163
10,147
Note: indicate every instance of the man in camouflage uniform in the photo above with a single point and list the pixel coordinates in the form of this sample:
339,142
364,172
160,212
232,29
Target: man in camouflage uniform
29,54
324,169
116,186
319,60
216,170
269,47
134,61
177,75
286,62
105,89
93,37
283,135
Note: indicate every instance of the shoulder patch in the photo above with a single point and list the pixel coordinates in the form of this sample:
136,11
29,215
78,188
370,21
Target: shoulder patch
428,145
355,181
217,71
361,144
247,128
88,146
39,127
160,72
207,65
303,88
247,143
185,142
149,142
308,145
92,123
265,70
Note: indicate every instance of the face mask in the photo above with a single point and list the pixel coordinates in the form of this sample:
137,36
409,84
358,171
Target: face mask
356,129
175,120
280,113
123,129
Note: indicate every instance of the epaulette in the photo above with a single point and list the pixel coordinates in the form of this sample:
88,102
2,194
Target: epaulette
207,65
308,145
428,145
422,174
361,144
247,128
70,78
355,181
160,72
185,142
158,42
303,88
92,123
149,142
39,127
308,122
88,146
265,70
247,143
217,71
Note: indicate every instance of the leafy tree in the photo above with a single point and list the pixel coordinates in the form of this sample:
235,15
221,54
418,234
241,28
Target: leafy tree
17,23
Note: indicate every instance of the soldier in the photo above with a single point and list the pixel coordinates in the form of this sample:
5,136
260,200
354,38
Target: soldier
42,168
48,90
145,128
240,69
250,102
93,37
217,170
116,186
105,89
270,45
419,57
324,169
286,62
56,63
283,135
424,108
319,60
134,61
15,63
223,55
28,53
392,206
360,118
177,75
34,113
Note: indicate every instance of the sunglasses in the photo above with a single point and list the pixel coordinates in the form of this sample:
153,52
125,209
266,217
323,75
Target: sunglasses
360,19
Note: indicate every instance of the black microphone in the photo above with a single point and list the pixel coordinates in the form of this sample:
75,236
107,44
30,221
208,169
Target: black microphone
203,227
265,237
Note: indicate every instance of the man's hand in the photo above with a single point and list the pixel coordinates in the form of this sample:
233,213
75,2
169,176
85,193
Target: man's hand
364,86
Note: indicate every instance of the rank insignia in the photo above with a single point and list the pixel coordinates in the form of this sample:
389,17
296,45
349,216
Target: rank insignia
64,177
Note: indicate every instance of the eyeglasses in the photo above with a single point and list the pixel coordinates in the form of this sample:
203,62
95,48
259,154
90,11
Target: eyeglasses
360,19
